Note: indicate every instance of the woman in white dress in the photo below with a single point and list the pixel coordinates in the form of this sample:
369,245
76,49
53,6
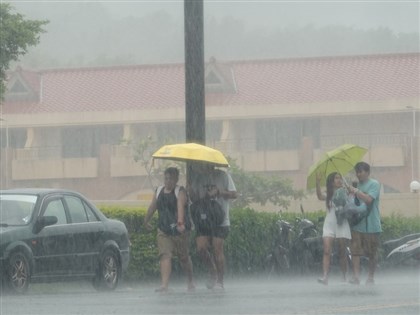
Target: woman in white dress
336,197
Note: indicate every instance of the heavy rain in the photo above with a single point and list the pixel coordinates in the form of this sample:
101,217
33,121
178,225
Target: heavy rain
287,93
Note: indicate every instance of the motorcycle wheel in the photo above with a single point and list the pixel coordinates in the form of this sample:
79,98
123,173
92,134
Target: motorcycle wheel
306,262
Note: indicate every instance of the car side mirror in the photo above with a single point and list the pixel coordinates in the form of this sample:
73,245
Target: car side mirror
44,221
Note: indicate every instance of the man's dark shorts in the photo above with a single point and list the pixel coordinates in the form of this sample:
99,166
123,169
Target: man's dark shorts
219,232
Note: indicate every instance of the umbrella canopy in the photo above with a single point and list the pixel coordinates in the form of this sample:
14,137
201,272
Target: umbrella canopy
191,152
341,160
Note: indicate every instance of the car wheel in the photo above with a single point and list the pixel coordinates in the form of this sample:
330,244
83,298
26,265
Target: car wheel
108,273
18,273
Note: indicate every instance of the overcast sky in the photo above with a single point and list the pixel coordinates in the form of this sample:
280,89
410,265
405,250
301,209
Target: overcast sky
86,33
400,15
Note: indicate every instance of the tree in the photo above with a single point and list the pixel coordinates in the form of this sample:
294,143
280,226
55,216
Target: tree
16,36
255,188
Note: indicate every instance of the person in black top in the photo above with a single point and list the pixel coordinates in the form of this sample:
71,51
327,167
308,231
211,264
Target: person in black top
174,227
207,182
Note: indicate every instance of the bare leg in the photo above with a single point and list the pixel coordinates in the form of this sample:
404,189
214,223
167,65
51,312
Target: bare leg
165,271
356,248
219,258
186,265
203,245
372,244
356,268
342,243
372,268
326,258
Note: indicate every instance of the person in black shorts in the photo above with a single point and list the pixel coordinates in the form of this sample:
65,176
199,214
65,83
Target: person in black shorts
208,182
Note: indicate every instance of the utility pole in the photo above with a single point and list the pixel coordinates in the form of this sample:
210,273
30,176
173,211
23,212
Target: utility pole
6,159
413,144
195,120
195,115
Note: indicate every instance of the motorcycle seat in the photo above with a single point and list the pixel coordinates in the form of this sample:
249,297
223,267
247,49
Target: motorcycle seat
391,244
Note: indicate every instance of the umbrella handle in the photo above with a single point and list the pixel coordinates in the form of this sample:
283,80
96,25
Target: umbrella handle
345,182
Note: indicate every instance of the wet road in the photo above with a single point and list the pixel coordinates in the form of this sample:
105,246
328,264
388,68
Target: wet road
397,293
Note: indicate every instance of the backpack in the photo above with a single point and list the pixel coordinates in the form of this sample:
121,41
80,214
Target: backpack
206,214
168,219
354,212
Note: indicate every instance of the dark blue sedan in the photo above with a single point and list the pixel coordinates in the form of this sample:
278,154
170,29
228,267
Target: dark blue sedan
56,235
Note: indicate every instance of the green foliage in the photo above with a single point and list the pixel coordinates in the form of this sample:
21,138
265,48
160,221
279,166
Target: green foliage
260,189
249,240
396,226
17,35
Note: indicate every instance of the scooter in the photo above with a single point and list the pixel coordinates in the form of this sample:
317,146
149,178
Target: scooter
289,250
278,260
403,251
307,246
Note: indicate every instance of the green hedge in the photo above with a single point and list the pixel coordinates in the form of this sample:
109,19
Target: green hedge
249,242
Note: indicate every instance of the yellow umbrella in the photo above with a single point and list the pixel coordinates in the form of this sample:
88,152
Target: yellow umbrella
191,152
341,160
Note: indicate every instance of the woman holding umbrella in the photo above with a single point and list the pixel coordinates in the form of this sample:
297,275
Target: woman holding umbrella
331,166
335,197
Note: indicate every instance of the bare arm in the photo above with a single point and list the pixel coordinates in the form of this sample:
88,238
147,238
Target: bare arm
367,199
182,199
150,211
228,191
227,194
319,194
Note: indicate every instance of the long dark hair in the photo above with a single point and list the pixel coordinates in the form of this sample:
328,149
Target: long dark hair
330,189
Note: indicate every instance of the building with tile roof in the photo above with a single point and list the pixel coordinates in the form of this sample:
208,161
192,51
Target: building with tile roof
70,127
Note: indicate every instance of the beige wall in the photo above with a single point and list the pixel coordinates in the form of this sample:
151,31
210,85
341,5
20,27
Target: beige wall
54,169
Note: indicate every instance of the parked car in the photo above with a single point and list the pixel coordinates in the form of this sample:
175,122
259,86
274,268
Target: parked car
56,235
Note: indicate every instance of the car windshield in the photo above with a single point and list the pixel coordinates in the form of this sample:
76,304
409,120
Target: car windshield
16,209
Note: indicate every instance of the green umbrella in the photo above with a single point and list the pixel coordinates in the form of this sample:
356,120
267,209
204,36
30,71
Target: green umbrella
341,160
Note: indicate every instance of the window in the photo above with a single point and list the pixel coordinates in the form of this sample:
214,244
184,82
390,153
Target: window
170,133
312,128
76,209
56,208
83,142
90,214
286,134
278,135
213,131
80,212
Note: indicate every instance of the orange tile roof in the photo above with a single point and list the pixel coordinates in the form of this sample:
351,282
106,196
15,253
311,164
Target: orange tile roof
258,82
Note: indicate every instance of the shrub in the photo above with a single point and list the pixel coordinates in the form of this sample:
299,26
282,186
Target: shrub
250,240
